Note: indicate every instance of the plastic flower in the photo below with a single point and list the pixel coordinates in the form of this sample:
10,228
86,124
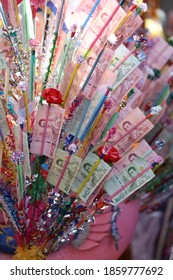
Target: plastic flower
111,155
160,143
80,59
22,85
34,43
52,95
112,39
17,157
143,7
156,110
72,147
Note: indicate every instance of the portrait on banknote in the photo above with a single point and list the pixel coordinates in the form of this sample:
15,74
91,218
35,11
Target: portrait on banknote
49,134
121,179
57,167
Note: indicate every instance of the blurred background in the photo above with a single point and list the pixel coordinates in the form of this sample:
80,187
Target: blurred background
153,238
161,11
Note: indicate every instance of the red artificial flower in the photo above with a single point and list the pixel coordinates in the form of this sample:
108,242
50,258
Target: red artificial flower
52,95
44,173
111,156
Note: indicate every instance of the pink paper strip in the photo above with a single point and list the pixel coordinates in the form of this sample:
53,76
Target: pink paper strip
128,132
130,182
124,59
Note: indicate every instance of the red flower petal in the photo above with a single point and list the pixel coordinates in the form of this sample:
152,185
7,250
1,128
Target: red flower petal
112,156
52,95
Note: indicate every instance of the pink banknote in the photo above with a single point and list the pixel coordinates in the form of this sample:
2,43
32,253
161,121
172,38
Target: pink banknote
52,131
125,127
141,150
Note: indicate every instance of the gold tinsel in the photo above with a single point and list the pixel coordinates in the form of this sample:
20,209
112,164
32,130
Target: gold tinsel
34,253
10,167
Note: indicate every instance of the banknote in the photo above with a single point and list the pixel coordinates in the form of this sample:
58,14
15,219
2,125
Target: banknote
95,194
72,127
69,68
83,10
126,135
67,74
163,58
98,175
158,44
90,159
131,105
74,90
146,177
128,29
135,135
126,67
103,16
114,98
115,76
99,129
87,38
52,133
77,13
70,173
27,167
86,148
123,89
3,122
87,6
123,32
102,65
97,24
154,53
131,62
169,53
106,57
141,150
79,113
119,180
154,89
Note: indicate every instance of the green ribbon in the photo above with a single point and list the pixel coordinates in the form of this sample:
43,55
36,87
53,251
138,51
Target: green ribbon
32,73
20,172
